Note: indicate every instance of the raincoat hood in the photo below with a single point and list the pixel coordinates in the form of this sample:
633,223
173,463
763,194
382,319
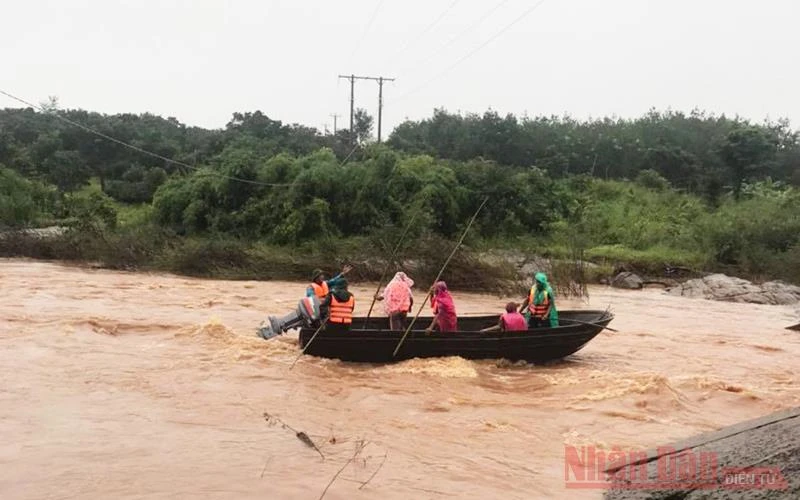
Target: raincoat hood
397,294
403,277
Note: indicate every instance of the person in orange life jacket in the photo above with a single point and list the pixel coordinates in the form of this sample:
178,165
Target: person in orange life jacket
511,320
320,286
341,304
541,303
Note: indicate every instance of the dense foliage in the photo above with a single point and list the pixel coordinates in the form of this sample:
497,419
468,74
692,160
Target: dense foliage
694,190
699,153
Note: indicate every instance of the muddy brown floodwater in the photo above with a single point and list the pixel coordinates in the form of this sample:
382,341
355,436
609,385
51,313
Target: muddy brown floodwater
121,385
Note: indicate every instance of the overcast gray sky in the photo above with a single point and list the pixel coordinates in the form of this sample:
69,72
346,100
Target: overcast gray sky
200,61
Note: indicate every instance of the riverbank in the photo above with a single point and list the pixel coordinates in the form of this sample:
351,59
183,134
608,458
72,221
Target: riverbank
150,248
477,266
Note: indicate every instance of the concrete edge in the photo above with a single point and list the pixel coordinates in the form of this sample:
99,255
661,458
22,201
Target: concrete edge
713,436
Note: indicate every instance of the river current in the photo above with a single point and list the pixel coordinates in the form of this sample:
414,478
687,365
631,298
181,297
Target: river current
131,385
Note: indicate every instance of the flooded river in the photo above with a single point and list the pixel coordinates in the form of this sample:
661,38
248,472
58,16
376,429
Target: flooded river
121,385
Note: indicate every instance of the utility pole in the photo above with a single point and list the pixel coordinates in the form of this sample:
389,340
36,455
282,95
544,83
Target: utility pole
380,106
380,80
335,116
352,79
352,106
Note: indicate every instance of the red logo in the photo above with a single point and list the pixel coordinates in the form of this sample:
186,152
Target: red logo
587,467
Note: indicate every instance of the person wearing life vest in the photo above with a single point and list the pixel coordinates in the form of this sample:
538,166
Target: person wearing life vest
511,320
541,303
320,286
341,304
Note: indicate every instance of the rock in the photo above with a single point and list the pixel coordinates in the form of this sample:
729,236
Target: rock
731,289
42,232
782,293
535,265
528,265
627,280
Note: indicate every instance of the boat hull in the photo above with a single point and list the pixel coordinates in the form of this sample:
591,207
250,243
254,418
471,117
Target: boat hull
372,341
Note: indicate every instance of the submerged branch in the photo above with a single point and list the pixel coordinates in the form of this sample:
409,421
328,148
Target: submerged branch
358,450
302,436
376,471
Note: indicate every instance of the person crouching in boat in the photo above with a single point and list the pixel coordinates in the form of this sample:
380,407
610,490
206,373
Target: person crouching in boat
511,320
398,300
321,288
541,303
341,304
444,309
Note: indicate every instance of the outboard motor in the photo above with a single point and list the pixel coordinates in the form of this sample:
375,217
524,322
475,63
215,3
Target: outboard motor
306,314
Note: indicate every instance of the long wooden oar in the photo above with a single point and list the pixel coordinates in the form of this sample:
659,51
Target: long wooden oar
388,265
586,323
321,326
430,290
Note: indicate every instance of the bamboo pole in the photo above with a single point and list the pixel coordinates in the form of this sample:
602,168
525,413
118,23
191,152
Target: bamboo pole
560,320
430,291
321,326
388,264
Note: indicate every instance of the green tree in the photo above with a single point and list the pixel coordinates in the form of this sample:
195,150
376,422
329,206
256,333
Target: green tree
67,170
22,201
652,180
745,151
362,125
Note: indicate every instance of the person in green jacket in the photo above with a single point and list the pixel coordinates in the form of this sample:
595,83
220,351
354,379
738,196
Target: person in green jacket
541,303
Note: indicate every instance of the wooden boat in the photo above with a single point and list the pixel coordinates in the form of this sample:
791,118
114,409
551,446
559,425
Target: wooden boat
372,341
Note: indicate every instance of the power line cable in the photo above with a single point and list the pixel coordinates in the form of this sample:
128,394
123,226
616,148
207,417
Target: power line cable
473,52
452,40
366,31
416,38
150,153
350,154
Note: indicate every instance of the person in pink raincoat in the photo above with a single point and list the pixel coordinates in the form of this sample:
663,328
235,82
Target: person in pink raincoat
397,300
444,309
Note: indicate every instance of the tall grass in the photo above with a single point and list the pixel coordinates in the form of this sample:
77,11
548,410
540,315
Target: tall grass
613,225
